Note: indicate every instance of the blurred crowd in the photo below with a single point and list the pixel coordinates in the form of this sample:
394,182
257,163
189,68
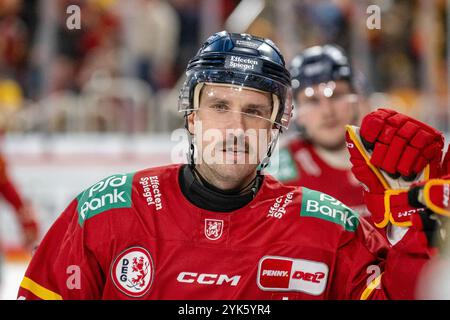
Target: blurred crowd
402,64
127,56
41,57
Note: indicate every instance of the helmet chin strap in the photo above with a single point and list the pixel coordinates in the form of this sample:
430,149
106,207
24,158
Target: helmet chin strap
261,166
265,162
191,151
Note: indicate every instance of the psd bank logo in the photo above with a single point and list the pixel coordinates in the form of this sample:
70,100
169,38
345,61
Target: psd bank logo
213,229
287,274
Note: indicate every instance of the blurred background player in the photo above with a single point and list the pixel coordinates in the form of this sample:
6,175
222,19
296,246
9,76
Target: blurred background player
20,205
326,99
13,53
22,208
24,211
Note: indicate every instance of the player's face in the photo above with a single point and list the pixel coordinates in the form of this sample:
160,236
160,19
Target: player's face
232,129
324,110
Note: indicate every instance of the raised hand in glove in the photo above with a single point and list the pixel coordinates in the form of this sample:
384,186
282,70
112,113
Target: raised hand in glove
389,152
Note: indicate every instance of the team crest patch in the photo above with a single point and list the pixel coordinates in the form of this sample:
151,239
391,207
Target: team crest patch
132,271
213,229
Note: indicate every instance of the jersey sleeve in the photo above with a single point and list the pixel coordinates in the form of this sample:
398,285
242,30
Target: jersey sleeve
8,189
368,267
63,266
10,193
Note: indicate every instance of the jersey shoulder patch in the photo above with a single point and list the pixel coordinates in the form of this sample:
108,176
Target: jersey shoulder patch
282,166
320,205
109,193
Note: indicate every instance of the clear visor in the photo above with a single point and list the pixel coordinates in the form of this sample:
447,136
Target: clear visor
233,103
331,90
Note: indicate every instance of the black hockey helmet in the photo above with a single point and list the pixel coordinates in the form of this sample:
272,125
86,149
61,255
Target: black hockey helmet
241,60
320,64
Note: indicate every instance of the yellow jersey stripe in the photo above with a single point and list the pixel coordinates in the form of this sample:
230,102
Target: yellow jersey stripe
38,290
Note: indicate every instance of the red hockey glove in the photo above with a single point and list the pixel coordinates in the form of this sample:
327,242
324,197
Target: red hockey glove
433,194
400,145
389,152
445,167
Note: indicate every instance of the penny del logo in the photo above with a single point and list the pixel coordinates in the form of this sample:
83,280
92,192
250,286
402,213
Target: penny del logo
288,274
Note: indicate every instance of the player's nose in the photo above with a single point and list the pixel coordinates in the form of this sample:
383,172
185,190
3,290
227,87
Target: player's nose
236,120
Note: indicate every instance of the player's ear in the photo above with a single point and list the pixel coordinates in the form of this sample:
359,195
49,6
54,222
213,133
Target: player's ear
190,122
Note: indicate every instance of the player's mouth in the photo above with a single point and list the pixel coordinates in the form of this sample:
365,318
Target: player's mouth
330,125
235,155
234,150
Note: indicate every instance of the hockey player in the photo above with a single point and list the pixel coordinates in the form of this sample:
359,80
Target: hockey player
217,228
23,210
324,91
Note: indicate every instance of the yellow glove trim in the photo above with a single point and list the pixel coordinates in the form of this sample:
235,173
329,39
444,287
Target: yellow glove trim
362,151
426,196
358,144
387,206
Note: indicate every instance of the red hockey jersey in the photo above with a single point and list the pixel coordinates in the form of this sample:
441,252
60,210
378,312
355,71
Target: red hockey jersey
300,165
137,236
